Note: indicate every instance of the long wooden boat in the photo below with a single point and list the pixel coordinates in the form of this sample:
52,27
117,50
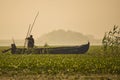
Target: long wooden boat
50,50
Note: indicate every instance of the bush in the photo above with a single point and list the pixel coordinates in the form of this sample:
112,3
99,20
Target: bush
111,41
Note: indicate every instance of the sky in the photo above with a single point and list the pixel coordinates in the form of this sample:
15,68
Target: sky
89,17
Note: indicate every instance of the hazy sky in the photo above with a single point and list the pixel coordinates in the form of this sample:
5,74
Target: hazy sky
86,16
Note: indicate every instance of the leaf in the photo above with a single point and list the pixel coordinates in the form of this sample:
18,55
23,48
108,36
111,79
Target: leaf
115,27
110,32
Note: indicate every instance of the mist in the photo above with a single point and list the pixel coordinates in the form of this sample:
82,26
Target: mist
90,17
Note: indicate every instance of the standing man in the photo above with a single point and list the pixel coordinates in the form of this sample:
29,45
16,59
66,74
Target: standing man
30,42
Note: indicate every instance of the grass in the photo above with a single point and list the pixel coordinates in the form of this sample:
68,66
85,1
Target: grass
92,65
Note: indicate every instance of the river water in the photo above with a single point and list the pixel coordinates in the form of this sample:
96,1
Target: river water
38,43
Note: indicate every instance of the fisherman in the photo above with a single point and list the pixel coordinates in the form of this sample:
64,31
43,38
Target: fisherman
13,49
30,42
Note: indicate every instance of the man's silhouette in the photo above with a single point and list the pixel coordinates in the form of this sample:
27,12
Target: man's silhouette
30,42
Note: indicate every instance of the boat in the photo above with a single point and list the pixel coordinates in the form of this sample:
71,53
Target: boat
50,50
47,50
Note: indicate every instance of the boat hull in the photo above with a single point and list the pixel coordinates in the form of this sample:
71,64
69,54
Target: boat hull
56,50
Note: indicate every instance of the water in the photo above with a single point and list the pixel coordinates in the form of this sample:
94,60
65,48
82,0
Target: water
9,42
38,43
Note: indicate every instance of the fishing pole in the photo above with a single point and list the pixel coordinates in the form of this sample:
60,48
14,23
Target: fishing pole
13,40
27,35
33,23
30,28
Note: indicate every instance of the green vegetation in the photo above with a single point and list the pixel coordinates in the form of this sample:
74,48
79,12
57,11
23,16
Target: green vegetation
111,41
93,62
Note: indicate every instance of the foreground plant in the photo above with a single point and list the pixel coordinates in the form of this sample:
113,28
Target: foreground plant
111,41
